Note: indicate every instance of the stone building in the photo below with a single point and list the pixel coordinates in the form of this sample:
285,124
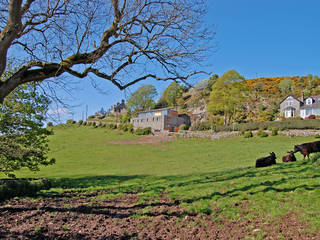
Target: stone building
160,119
300,107
119,108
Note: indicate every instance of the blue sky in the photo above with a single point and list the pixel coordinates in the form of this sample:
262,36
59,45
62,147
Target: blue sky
257,38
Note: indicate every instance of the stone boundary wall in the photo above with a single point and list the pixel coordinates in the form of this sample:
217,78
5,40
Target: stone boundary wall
219,135
206,134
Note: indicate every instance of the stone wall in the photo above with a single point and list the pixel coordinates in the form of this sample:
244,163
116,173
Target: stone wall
206,134
219,135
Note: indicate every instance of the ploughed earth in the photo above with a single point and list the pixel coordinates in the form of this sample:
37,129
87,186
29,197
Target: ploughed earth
88,216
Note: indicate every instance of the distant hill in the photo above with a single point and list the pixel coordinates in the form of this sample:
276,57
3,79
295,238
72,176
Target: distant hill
263,98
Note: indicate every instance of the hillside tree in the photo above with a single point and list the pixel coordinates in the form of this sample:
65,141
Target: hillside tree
172,93
142,99
120,41
227,95
286,86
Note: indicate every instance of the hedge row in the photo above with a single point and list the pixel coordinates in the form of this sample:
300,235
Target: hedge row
281,125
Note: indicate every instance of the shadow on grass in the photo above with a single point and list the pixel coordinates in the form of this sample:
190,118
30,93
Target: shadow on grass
138,183
242,181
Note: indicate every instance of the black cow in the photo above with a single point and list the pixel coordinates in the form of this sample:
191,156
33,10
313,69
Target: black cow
289,158
266,161
306,148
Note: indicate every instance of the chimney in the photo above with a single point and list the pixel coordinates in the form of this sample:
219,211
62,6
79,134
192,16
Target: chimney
302,96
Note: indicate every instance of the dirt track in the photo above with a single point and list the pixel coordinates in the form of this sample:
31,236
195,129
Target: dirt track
81,216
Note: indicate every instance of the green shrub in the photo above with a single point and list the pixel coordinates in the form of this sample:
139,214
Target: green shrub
262,133
49,124
317,136
183,127
80,122
130,128
143,131
112,126
274,132
248,134
126,127
16,188
202,126
71,121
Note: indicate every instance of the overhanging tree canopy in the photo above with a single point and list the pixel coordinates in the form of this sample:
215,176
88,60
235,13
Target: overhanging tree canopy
122,41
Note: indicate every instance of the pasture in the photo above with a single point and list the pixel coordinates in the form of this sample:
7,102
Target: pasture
189,187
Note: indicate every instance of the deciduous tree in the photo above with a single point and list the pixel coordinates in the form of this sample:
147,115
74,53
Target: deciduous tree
172,93
286,86
23,139
121,41
142,98
226,95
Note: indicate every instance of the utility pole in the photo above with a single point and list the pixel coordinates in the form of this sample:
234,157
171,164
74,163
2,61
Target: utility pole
86,112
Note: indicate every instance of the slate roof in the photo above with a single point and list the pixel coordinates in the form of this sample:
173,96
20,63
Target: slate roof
292,97
315,103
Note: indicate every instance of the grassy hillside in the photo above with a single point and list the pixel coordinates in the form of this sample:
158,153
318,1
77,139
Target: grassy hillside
214,178
86,151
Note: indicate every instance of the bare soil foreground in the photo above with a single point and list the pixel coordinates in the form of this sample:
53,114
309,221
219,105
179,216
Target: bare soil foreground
89,216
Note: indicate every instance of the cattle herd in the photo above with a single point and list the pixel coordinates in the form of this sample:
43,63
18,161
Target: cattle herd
305,149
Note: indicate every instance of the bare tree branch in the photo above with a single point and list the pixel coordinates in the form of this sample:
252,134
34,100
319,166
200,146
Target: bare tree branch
122,41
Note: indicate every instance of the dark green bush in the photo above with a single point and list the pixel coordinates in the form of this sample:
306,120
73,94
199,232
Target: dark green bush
262,133
80,122
112,126
248,134
317,136
15,188
143,131
202,126
274,132
49,124
71,121
183,127
126,127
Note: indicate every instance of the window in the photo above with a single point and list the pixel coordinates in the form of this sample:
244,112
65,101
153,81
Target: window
309,101
142,120
308,111
289,103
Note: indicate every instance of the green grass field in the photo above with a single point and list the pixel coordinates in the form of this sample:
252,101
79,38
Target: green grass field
207,177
